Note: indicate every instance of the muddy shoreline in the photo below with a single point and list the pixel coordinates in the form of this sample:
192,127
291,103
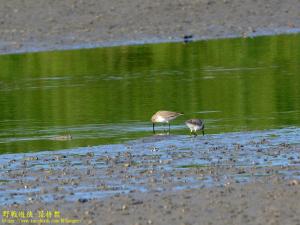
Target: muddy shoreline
233,178
264,202
39,26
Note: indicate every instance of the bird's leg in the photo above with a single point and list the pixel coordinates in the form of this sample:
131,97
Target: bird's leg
169,128
195,134
203,132
153,128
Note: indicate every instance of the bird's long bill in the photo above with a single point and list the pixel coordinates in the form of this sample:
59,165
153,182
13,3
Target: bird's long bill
153,128
203,132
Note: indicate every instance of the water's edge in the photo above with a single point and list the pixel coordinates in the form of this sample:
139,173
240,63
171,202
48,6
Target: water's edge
46,47
157,163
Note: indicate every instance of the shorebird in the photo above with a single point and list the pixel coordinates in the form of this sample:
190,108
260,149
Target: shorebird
164,117
194,125
187,38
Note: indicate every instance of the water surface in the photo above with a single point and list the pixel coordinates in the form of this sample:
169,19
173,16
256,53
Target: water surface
107,95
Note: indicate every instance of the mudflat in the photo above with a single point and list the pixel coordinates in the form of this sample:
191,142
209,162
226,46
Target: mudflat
149,183
272,201
36,25
234,178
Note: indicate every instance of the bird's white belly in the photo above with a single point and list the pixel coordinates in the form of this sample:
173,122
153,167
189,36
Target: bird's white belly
161,119
194,127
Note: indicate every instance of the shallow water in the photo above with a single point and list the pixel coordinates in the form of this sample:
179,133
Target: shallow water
246,90
107,95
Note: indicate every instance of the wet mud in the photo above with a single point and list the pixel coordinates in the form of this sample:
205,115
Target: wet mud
220,175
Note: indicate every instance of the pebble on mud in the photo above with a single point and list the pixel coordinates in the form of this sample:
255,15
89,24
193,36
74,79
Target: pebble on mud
82,200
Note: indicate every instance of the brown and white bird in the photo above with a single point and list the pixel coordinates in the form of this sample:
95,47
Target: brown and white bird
194,125
164,117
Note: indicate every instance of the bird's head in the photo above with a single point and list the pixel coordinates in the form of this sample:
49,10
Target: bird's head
153,118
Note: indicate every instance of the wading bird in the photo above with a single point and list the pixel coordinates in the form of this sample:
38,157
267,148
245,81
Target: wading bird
164,117
194,125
